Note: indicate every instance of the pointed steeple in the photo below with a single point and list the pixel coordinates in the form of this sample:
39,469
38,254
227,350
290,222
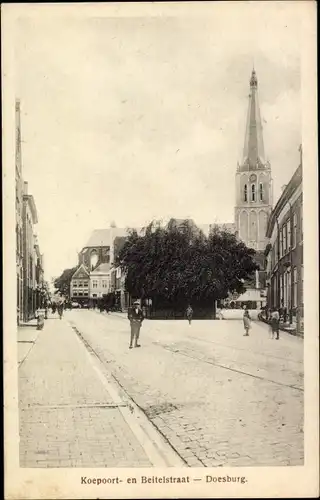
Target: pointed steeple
253,151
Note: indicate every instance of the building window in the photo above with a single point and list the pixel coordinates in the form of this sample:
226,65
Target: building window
85,283
289,233
284,232
281,243
80,284
301,224
95,284
294,234
289,284
253,192
85,294
285,290
281,289
274,302
80,294
104,284
245,192
74,284
75,293
261,191
295,287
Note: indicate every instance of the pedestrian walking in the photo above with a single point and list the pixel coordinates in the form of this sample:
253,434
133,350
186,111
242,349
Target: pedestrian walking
135,316
275,323
246,322
60,310
189,313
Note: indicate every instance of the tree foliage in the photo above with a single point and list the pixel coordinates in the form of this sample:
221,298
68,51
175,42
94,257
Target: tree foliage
180,264
62,283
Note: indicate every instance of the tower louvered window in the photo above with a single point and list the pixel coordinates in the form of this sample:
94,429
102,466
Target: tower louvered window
245,192
253,192
261,191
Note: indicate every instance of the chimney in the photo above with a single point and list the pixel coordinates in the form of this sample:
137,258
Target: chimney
25,187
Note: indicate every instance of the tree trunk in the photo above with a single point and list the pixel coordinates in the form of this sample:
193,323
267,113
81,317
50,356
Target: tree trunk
214,309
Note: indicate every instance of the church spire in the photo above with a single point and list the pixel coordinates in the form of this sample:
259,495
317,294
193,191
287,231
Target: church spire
253,151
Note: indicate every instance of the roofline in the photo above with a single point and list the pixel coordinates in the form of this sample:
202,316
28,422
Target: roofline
33,208
99,272
291,187
84,267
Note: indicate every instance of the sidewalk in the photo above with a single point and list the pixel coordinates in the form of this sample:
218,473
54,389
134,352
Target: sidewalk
27,336
67,416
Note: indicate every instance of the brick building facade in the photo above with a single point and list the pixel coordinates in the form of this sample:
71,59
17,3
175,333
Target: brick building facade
19,216
285,252
80,285
30,219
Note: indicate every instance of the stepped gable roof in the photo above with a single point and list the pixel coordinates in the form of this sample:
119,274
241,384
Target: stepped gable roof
102,268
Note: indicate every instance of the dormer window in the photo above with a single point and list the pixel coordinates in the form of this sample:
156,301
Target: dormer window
245,194
253,192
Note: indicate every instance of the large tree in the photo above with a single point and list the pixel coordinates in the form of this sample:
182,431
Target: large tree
62,283
179,264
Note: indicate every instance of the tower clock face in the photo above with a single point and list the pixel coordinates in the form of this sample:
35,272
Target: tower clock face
253,178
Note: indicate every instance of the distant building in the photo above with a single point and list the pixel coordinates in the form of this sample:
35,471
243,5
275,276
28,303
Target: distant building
30,219
19,217
100,282
285,252
80,285
118,277
30,285
184,223
253,179
39,275
99,249
254,191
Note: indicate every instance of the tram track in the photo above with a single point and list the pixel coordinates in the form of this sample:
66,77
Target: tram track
210,362
195,355
236,348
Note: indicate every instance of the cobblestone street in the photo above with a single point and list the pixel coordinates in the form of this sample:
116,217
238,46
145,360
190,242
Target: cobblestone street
218,398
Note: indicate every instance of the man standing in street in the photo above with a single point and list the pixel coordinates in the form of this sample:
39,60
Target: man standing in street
135,316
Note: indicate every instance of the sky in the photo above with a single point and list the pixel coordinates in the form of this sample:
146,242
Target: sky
127,119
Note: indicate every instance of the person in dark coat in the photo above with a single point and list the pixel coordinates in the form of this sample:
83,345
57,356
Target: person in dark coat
60,309
135,316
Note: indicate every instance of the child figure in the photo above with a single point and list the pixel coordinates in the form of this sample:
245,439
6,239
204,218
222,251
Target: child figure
246,322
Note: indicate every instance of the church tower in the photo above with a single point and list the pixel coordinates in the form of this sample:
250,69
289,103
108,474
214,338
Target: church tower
253,179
